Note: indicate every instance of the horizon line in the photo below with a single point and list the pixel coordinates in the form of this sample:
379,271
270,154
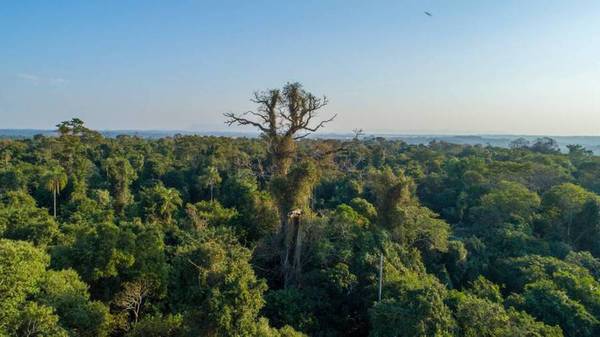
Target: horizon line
365,133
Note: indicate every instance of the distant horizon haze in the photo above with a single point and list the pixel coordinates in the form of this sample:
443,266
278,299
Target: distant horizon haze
319,134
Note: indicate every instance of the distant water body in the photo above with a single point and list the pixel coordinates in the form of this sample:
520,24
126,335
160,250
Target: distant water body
589,142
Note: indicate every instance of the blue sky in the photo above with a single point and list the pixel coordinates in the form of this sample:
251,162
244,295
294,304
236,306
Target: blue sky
530,67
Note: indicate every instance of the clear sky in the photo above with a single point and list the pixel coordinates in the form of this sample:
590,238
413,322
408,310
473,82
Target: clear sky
526,67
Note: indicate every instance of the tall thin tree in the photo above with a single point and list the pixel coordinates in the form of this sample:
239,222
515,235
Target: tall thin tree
210,178
55,180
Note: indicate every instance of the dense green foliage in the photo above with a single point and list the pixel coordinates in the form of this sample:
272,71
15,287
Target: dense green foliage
182,237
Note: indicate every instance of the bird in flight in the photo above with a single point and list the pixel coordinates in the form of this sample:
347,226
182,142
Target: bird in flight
428,14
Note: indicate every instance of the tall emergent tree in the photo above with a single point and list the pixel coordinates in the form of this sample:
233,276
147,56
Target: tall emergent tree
55,181
284,116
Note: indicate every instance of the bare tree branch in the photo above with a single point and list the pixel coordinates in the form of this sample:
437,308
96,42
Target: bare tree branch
314,129
237,119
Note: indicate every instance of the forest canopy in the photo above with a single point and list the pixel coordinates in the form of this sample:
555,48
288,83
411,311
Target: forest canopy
285,235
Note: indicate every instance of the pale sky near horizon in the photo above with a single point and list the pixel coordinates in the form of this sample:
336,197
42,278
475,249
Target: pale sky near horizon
474,67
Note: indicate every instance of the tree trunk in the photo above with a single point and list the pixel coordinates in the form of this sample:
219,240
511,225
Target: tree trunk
282,154
136,311
285,250
292,249
380,277
297,265
54,197
569,227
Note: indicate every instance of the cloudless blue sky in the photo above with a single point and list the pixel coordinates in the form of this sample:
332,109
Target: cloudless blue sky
528,67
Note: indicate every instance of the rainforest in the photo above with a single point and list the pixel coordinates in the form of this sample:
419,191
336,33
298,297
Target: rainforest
289,235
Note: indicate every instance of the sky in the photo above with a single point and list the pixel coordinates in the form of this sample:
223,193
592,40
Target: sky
473,67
